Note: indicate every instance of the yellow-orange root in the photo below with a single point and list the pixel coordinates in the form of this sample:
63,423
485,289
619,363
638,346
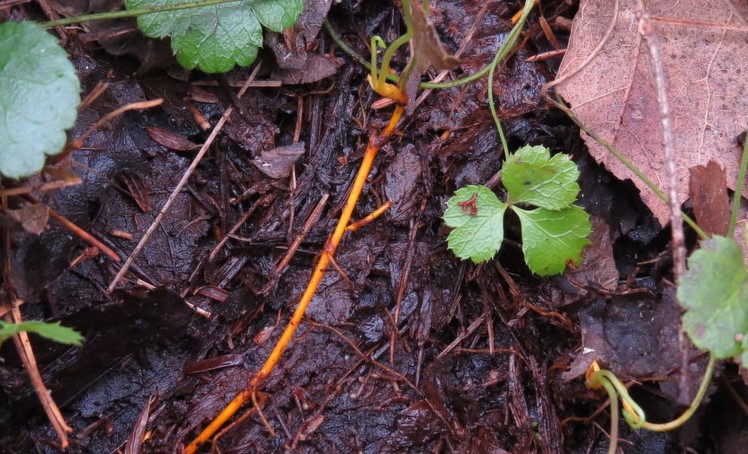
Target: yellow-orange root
319,270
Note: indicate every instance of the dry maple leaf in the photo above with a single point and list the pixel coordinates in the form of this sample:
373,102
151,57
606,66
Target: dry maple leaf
606,76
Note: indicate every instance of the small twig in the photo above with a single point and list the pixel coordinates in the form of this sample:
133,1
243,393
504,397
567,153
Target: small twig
281,267
78,143
405,271
361,223
178,188
365,357
23,346
676,221
238,421
470,330
134,444
52,15
98,90
69,179
242,219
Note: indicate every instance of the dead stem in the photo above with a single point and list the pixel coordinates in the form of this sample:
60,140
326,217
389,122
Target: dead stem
676,221
23,347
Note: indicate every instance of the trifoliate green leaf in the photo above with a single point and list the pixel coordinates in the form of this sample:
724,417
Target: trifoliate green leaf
533,177
51,331
39,94
551,239
714,292
218,37
477,216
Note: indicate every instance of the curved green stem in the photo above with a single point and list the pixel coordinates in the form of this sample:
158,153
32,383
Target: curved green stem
392,77
492,108
694,405
397,44
613,446
503,51
632,412
376,42
739,185
133,12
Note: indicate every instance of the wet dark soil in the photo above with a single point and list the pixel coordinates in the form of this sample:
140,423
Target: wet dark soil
484,358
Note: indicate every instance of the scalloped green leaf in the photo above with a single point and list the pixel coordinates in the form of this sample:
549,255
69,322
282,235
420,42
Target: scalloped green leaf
277,15
477,216
51,331
553,238
39,94
216,38
714,293
533,176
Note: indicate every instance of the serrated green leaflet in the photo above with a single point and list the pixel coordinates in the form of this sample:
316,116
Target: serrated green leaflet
551,239
216,38
553,235
533,177
39,93
51,331
714,292
477,216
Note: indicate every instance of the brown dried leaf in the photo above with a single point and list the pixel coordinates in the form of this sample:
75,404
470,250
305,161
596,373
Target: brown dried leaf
278,162
170,139
598,267
316,67
33,218
213,292
427,46
711,204
611,88
137,189
134,443
297,64
199,94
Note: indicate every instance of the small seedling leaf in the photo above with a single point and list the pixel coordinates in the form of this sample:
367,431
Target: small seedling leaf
51,331
552,239
216,38
714,292
40,92
477,216
553,234
533,177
